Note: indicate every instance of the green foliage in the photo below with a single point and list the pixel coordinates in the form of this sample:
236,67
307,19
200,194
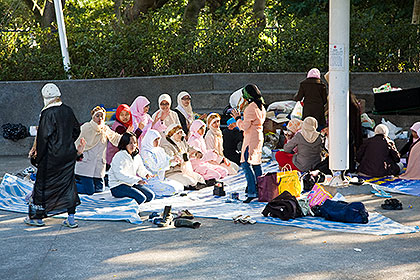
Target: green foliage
227,41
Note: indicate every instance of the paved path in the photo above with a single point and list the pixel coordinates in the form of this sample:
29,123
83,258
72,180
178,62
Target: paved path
217,250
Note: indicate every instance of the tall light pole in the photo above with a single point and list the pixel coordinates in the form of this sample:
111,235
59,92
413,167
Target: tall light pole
62,35
338,106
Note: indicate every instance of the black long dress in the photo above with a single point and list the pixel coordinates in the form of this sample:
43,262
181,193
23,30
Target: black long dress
55,188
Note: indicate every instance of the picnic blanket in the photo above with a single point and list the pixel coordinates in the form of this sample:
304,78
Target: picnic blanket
201,203
396,185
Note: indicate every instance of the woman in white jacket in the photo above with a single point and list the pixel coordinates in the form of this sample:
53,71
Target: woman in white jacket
127,173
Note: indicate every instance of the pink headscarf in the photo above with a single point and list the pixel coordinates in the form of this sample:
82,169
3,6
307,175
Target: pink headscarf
195,126
137,111
314,73
416,127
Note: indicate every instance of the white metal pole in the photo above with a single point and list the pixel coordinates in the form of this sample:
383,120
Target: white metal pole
62,35
339,33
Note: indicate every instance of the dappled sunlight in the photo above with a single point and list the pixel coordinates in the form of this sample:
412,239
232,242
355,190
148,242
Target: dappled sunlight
159,257
147,228
4,228
124,275
18,220
311,276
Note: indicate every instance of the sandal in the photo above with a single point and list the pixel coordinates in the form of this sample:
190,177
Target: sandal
36,223
66,223
381,193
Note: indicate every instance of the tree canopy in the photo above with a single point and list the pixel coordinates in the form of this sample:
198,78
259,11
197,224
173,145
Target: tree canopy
169,37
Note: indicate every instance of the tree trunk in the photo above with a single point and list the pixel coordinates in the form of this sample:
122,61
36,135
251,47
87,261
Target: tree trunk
46,15
139,7
192,10
258,9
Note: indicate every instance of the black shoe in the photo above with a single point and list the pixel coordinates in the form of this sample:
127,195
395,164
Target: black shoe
166,217
186,223
249,199
392,204
210,182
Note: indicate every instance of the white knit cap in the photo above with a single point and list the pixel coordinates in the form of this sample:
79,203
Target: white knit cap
50,91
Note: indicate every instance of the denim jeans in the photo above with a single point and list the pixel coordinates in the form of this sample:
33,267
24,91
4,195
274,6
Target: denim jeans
89,185
139,192
251,175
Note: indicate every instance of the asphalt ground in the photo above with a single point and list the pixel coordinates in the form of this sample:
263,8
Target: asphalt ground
217,250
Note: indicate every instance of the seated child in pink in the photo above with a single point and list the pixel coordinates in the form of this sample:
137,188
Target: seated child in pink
205,162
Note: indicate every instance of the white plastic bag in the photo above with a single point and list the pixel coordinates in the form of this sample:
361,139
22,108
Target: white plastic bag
366,121
237,101
393,129
282,106
297,111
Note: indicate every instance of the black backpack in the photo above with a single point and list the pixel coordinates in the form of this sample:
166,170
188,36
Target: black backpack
14,131
285,206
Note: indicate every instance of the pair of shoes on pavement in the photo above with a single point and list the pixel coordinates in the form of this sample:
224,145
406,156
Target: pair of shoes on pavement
184,214
392,204
70,224
36,223
243,219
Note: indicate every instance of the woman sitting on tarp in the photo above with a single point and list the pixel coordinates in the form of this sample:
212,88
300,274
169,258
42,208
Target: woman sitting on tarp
127,174
214,141
293,127
165,115
157,162
141,119
413,164
181,169
90,170
309,145
378,156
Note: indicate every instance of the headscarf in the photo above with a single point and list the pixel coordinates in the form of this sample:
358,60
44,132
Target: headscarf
124,107
212,118
314,73
252,93
416,127
138,115
381,129
195,126
230,121
294,125
172,130
165,97
186,111
215,143
148,149
308,130
51,95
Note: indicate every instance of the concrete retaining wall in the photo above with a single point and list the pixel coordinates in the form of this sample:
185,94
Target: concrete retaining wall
21,102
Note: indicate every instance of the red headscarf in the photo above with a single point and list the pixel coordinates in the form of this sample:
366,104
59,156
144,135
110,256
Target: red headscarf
124,107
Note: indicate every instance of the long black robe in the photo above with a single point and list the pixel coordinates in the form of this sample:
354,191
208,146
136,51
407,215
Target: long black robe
55,188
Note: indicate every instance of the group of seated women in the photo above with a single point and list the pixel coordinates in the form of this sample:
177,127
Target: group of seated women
376,157
148,156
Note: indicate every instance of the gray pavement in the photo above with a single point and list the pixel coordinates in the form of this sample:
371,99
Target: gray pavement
217,250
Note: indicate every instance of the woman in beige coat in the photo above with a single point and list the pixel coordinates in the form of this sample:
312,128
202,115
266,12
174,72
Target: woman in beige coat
90,170
252,125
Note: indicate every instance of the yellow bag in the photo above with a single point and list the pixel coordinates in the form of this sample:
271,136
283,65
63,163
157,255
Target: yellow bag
289,181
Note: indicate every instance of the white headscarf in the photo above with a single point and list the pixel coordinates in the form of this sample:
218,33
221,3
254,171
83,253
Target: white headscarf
308,130
381,129
158,153
186,111
51,95
416,127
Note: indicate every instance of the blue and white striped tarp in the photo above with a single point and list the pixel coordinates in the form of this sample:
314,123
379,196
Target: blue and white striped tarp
201,203
96,207
396,185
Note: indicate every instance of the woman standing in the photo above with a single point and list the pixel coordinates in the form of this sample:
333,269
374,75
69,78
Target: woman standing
90,171
314,93
252,125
